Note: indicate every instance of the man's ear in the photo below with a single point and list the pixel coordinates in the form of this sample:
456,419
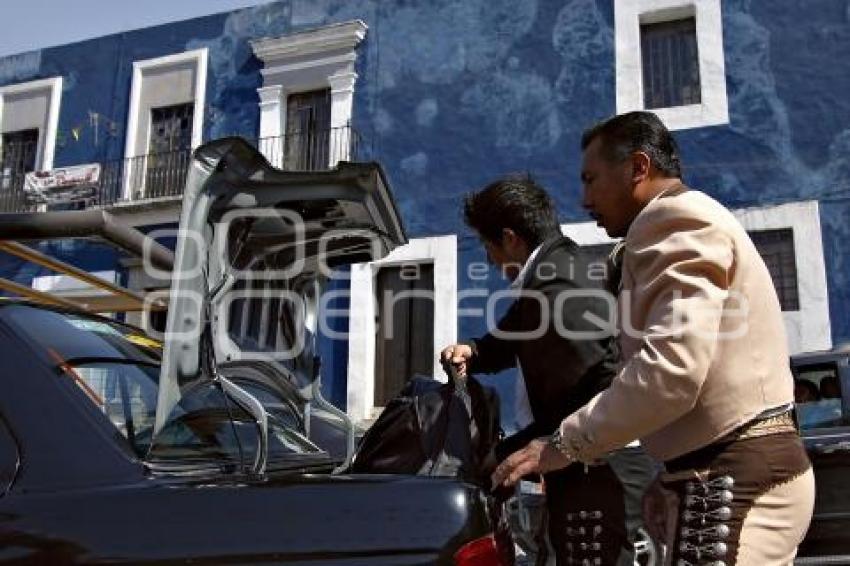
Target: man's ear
641,164
513,242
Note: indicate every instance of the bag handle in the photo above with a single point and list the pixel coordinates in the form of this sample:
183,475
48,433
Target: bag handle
456,381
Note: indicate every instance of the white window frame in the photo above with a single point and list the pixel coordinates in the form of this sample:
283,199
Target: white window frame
301,62
441,251
199,58
628,17
47,138
808,329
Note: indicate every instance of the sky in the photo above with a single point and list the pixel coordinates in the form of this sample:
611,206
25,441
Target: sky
32,24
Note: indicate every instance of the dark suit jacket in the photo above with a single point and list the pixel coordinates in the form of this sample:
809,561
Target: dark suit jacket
561,374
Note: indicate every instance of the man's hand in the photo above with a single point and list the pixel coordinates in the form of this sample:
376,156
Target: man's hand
458,355
537,457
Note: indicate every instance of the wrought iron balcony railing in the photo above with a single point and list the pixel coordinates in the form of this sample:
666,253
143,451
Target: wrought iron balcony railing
313,150
161,175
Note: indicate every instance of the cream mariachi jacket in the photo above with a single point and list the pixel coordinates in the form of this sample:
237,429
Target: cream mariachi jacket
701,334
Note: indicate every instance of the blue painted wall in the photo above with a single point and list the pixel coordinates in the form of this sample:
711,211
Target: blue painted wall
452,93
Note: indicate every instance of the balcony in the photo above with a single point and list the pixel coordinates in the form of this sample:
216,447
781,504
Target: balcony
162,176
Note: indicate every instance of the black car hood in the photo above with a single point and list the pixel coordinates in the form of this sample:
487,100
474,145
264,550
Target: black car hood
243,219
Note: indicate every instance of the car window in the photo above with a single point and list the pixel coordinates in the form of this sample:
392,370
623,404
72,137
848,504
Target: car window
113,365
9,458
126,393
286,413
817,394
69,335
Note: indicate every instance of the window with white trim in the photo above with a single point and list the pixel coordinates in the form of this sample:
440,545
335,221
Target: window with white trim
29,117
423,268
18,152
670,60
308,130
309,69
405,327
788,236
165,122
776,248
169,148
670,63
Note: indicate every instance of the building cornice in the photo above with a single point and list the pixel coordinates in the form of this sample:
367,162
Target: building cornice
278,50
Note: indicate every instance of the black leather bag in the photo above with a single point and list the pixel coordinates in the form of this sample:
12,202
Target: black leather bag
434,429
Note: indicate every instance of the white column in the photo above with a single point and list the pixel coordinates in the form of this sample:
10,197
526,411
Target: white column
361,342
271,123
342,97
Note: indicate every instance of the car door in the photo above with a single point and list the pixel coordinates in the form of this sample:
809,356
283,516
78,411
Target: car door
823,415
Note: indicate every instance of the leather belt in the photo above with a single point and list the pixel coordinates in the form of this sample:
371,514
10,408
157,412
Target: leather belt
758,427
775,424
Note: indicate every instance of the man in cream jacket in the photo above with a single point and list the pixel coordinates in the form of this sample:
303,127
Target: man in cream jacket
704,380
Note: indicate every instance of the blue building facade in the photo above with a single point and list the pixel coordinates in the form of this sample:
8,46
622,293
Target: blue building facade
449,94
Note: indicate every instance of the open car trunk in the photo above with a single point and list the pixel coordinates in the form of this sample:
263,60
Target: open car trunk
250,232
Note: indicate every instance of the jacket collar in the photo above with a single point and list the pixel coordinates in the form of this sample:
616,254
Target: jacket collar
540,253
672,191
526,268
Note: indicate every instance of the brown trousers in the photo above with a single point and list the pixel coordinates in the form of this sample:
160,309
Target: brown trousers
746,502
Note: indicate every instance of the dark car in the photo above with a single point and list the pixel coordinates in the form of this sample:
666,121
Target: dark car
206,447
822,392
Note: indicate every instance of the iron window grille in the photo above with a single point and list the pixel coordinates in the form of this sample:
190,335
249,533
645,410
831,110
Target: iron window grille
18,154
308,125
670,61
170,150
776,247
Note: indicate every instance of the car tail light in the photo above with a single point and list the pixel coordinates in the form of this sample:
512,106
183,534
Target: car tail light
484,551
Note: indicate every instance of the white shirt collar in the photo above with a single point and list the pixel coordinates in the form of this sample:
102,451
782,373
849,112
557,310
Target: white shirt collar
517,283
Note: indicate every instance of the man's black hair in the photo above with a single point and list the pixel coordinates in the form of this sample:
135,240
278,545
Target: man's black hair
516,202
809,386
625,134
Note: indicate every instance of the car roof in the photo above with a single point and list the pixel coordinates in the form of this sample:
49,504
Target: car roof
841,352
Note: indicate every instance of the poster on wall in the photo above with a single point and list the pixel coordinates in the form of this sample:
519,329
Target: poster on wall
62,185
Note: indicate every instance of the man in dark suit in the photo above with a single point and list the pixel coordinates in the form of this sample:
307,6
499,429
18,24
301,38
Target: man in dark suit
552,333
